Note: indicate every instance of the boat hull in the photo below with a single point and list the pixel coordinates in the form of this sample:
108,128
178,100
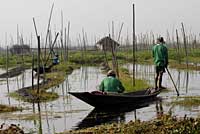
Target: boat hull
115,100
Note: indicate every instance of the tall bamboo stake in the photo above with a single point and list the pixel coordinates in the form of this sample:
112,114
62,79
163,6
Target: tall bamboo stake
178,46
84,42
61,37
68,29
65,45
133,45
38,58
113,51
185,43
32,70
116,63
51,49
7,69
81,46
120,31
113,32
22,56
38,69
48,27
104,51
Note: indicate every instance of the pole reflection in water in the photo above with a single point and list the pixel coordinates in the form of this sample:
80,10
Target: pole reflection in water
64,108
187,81
34,120
40,119
135,114
84,78
159,108
178,80
47,118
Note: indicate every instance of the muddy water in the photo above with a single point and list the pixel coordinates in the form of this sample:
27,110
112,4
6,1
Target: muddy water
68,112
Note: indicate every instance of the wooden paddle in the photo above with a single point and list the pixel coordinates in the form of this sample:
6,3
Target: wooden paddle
172,81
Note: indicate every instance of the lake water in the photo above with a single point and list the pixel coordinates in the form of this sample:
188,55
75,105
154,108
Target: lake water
68,112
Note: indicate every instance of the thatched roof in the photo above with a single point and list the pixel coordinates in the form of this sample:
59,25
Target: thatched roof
107,41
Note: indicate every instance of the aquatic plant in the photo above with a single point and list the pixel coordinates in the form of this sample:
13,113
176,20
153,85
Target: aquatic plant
5,108
163,125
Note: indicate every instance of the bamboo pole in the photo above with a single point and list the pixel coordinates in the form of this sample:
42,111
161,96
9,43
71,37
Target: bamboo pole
61,38
133,83
185,43
81,46
116,62
51,49
48,27
35,27
65,45
7,69
178,47
22,56
32,70
113,32
68,29
84,42
38,58
113,48
114,58
104,51
38,69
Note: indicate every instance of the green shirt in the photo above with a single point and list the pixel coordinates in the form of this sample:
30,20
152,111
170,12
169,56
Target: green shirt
111,84
160,55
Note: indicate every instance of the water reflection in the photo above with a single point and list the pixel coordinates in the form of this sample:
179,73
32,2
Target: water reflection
40,119
118,114
182,78
67,112
159,108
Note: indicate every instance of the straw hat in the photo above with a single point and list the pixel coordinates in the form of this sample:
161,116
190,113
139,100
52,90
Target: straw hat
110,72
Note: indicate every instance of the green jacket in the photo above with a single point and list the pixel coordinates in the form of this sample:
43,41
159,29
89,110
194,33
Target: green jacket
160,55
111,84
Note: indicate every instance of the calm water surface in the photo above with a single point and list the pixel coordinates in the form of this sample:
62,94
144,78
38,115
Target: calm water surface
68,112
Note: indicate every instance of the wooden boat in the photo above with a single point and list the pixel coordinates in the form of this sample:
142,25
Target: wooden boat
108,100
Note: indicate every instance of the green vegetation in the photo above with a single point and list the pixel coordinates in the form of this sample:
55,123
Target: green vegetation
142,57
42,97
52,79
164,125
78,58
123,56
188,101
127,81
4,108
15,60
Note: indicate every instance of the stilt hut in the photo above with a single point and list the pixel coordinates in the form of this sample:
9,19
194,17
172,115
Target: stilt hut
107,44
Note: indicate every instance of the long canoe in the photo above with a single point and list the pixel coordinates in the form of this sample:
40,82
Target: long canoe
116,99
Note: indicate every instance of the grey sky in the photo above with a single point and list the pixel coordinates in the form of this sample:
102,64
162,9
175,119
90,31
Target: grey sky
95,16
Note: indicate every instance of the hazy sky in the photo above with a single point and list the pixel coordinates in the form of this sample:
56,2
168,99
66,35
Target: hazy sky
95,16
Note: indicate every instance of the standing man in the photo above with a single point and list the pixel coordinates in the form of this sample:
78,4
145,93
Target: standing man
160,55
